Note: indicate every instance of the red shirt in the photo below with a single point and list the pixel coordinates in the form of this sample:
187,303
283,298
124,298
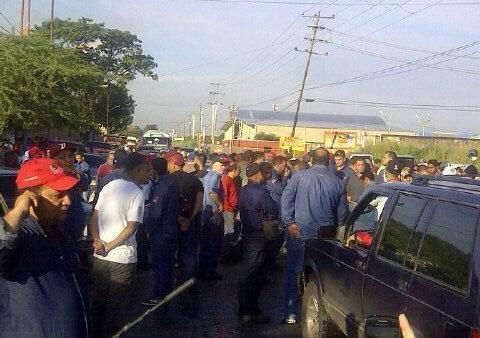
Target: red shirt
103,171
229,193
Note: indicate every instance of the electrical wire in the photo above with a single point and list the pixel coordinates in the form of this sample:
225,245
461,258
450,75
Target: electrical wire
388,71
419,106
275,2
391,58
9,22
392,45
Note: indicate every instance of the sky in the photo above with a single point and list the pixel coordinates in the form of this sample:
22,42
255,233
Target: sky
421,52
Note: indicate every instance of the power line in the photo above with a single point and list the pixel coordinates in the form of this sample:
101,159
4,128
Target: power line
9,22
388,71
261,70
419,106
275,2
392,45
391,58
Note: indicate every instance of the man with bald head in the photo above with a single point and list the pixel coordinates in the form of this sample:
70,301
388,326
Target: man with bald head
313,204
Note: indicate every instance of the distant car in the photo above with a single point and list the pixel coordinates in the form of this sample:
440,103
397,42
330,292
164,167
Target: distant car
99,147
77,145
406,161
367,157
94,161
8,188
149,150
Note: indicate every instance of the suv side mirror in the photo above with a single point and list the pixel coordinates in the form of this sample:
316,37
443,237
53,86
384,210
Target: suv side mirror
382,327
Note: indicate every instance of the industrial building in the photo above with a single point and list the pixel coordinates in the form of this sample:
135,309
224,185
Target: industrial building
336,131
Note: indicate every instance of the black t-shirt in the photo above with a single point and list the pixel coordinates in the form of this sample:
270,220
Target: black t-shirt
188,187
200,173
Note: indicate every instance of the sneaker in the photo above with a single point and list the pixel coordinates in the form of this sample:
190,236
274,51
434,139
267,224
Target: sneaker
150,302
290,319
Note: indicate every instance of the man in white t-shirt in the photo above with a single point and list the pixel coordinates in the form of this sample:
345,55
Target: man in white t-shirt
118,212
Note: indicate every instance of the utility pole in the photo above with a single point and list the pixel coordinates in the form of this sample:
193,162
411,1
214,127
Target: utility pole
387,118
233,121
193,127
313,40
22,13
52,9
424,120
215,95
201,136
27,30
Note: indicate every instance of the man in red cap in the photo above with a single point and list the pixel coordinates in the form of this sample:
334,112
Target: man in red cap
38,266
63,154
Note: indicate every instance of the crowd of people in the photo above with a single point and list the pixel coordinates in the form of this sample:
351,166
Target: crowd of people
192,221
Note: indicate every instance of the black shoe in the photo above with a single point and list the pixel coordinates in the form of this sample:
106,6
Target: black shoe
150,302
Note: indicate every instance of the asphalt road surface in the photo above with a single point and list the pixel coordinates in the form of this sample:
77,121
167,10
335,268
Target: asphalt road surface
211,311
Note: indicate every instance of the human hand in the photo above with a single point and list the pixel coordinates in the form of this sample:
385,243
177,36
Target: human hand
24,202
99,247
220,208
287,173
184,223
405,327
294,230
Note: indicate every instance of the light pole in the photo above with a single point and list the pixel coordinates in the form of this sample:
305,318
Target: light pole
424,120
388,119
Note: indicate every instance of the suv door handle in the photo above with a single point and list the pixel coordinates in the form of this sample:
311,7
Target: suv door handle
402,285
360,264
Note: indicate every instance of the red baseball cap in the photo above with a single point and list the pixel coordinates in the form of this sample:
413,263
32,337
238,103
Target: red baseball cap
224,160
44,171
54,148
175,158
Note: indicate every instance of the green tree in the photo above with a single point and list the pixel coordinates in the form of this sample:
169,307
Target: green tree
150,127
117,52
132,130
44,86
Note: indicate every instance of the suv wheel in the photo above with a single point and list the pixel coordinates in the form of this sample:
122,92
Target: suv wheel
313,323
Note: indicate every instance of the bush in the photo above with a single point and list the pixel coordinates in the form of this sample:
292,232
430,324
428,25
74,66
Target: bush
453,154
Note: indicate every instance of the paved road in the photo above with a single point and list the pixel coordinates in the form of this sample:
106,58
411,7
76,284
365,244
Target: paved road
212,312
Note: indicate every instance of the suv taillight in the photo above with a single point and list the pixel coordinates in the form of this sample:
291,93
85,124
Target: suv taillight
475,334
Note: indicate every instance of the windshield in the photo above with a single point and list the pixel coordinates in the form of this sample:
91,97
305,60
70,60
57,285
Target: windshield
162,141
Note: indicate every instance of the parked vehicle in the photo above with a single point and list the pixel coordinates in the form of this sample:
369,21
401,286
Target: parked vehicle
8,188
98,147
406,161
407,248
367,157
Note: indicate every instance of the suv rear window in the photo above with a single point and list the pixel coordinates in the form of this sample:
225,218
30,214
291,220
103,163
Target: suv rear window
448,245
402,221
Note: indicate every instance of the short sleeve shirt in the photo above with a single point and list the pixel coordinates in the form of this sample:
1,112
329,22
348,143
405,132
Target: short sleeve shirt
119,202
188,185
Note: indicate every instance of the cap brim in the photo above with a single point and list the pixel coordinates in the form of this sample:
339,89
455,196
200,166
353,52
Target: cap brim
63,184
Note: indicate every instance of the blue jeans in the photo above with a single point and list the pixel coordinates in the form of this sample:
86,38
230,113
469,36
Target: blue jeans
188,242
163,261
294,266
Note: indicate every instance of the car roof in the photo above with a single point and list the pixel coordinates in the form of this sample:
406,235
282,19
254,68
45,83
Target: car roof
8,171
455,189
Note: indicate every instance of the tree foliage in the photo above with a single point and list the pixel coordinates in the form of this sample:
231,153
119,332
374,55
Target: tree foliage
119,53
266,137
44,86
150,127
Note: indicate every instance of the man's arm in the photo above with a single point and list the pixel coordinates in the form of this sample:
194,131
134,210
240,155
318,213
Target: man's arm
288,201
215,197
269,205
198,205
342,209
288,206
10,224
124,235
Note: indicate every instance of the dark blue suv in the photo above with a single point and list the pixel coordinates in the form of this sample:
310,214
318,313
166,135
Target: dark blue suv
406,248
